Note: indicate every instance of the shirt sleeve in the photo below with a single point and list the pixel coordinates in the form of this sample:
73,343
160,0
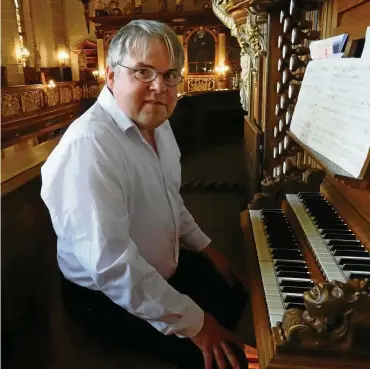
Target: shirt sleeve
88,207
191,235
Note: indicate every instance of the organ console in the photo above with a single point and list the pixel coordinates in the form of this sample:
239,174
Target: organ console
307,233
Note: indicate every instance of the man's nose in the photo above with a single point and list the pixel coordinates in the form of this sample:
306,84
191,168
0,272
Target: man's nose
158,84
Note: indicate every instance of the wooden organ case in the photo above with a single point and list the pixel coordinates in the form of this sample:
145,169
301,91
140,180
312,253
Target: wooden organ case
307,230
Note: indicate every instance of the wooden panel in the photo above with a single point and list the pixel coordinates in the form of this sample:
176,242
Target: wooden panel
271,98
345,5
351,17
252,143
260,316
33,111
352,204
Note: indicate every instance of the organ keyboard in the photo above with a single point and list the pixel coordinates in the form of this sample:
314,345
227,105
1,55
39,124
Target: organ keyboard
340,255
293,253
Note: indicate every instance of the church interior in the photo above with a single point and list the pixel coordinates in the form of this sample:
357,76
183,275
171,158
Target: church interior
252,179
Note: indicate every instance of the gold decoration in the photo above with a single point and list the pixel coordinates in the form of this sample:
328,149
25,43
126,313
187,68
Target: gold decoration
77,93
254,37
52,96
330,310
93,91
31,101
65,95
201,84
10,105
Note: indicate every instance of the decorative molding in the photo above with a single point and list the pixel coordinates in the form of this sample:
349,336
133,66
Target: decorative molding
250,28
201,84
10,105
329,320
18,101
31,101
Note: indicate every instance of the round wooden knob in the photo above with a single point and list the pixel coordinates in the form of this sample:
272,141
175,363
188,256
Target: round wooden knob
293,90
298,36
295,63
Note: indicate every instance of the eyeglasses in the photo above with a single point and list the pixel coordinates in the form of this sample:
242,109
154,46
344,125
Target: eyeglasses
171,78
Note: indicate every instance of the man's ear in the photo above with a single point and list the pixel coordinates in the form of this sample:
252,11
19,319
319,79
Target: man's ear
110,77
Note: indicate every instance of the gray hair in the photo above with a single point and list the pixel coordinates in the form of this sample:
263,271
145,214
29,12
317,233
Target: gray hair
136,36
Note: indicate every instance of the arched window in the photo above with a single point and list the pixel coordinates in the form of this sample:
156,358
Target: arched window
201,53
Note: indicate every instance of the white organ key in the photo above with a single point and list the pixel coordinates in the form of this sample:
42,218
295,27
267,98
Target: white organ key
270,284
326,261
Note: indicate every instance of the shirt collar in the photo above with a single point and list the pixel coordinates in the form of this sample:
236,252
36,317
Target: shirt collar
109,104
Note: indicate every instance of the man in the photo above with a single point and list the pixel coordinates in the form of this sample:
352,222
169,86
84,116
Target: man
112,189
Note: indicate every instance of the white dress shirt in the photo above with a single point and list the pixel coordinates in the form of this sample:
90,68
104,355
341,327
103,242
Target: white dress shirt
116,209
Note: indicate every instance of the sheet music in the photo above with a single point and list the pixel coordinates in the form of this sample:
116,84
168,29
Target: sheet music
366,50
312,92
335,119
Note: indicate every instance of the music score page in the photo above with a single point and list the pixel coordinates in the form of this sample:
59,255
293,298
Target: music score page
332,114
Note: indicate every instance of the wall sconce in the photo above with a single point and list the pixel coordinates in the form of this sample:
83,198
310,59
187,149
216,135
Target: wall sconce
63,57
221,71
22,56
51,84
95,74
101,73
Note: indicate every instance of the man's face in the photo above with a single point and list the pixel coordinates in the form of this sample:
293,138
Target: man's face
148,105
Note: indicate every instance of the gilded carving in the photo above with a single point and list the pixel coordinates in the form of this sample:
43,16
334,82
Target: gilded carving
10,105
31,101
254,37
251,36
244,79
330,309
93,91
52,96
201,84
65,95
77,93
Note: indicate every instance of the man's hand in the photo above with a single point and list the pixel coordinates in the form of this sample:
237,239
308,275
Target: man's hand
212,341
223,267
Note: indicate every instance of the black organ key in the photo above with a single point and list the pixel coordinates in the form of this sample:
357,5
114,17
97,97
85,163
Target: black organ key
345,235
357,267
286,254
294,289
346,248
295,306
358,276
293,274
296,298
355,261
348,243
296,283
352,253
291,268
